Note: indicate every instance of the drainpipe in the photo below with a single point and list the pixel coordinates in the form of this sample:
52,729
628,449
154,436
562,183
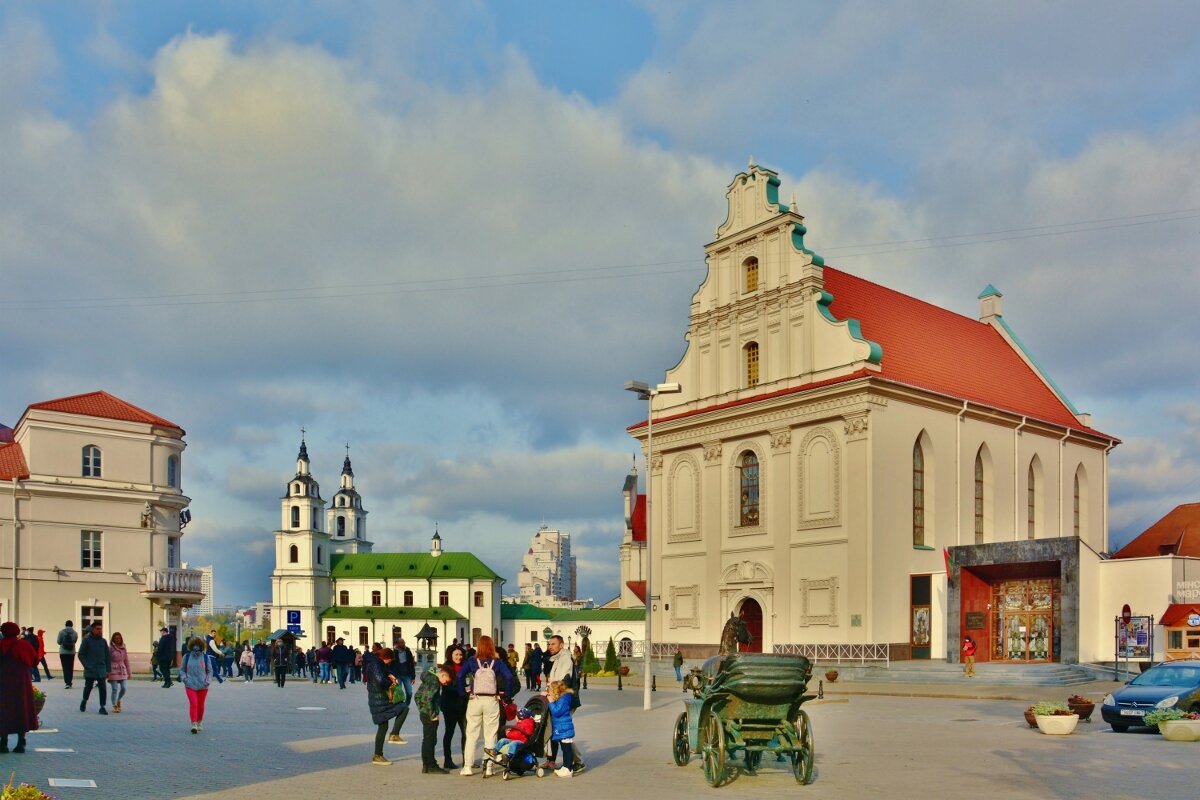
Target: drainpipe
1016,478
16,527
958,474
1062,514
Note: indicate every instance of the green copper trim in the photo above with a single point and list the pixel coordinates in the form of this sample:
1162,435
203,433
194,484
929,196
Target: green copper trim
798,231
990,291
1016,340
921,547
852,325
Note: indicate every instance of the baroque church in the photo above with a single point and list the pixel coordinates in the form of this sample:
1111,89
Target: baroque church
328,582
850,466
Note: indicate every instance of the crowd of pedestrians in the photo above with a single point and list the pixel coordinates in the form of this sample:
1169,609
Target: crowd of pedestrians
465,700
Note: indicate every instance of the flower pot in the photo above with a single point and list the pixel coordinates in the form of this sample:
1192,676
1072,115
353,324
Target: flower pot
623,670
1058,724
39,703
1180,730
831,676
1030,718
1084,710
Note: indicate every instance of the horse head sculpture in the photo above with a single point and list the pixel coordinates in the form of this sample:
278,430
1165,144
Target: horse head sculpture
733,634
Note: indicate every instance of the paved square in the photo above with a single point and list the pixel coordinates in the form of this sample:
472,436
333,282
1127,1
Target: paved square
258,743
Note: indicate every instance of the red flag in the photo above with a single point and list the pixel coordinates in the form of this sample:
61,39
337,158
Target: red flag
949,561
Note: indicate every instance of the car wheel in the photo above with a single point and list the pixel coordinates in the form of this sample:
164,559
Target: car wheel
1119,728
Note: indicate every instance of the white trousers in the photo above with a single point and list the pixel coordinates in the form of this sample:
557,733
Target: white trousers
483,716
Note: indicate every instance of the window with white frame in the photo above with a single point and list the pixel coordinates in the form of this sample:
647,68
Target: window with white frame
89,545
173,471
91,461
172,552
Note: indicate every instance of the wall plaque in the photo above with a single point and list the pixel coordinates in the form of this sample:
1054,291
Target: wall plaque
976,620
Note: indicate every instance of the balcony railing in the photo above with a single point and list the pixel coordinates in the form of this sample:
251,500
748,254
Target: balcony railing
165,581
825,653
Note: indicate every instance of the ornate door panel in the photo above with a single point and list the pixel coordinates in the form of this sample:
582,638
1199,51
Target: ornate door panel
1023,619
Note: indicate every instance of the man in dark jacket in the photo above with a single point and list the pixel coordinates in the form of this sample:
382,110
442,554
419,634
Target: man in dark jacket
343,657
28,635
96,661
68,637
538,663
164,656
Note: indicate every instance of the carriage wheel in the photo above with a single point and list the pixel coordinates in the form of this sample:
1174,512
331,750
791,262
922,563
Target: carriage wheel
714,751
680,748
802,759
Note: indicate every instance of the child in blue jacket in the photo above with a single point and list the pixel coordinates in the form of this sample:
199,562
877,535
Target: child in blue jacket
562,727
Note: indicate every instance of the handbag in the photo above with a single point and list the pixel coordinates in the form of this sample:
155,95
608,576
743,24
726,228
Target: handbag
396,693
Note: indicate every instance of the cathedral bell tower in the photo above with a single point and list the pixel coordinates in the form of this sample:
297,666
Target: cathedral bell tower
300,584
346,517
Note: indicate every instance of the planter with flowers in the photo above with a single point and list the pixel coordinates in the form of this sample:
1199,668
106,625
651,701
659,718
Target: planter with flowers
39,702
1083,706
831,675
22,791
1055,719
1175,725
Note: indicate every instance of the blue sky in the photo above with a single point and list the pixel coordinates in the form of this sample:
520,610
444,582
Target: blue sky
447,233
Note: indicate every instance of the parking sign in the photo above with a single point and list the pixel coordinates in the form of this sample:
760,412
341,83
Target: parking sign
293,617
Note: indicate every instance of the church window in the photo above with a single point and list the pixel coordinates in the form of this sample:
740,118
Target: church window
316,520
358,527
748,480
295,516
91,461
983,502
751,351
443,599
750,273
479,599
364,638
320,555
330,634
293,555
1079,502
408,598
173,471
1031,503
376,598
341,526
295,488
918,469
343,598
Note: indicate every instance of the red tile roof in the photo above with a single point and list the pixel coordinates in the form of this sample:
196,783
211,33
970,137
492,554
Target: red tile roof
638,523
106,406
6,433
1177,613
638,588
12,462
1178,533
931,348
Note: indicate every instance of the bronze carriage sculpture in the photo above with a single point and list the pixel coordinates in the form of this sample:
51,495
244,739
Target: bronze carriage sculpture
745,704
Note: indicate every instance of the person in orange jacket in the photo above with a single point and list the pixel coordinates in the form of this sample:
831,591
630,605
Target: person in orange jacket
41,652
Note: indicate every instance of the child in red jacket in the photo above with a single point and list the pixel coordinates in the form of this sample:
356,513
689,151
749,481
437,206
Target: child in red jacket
515,736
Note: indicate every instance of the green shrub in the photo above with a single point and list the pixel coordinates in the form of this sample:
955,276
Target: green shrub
1164,715
610,657
1048,708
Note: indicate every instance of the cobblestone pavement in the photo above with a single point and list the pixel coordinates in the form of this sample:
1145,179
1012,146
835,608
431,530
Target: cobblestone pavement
258,743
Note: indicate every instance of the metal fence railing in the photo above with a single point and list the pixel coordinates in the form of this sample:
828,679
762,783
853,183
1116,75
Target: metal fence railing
839,653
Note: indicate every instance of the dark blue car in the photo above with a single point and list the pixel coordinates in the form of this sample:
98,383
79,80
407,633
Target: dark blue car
1174,684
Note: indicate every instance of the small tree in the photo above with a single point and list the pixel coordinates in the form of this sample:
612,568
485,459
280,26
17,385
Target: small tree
610,657
590,665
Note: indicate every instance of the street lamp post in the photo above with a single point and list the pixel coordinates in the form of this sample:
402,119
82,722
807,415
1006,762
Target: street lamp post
648,393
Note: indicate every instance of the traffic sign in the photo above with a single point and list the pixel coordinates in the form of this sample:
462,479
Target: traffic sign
1126,613
293,628
293,617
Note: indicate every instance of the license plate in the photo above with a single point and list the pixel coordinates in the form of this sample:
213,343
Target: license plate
1132,712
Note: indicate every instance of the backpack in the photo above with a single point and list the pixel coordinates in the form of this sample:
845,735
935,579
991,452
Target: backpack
485,678
71,638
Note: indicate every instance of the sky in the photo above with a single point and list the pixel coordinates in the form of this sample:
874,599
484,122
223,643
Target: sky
447,233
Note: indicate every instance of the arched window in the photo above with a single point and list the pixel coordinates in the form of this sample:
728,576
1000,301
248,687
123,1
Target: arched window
748,481
479,599
408,598
364,638
173,471
91,461
918,478
751,351
342,502
983,491
1079,502
443,599
341,525
750,274
293,555
343,598
295,516
320,555
1031,503
376,598
316,520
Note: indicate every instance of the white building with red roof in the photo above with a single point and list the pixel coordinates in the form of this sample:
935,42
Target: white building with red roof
839,447
90,503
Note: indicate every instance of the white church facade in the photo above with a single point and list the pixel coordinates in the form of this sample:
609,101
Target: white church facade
846,464
328,583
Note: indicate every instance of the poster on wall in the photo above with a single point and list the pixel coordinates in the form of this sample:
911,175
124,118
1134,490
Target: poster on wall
920,626
1134,639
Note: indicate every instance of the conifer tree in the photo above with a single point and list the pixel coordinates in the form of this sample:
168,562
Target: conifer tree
610,657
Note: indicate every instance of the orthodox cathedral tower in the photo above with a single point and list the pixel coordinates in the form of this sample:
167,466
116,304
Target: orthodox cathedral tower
302,549
346,518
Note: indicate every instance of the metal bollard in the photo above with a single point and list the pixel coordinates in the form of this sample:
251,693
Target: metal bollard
585,680
820,690
654,683
620,686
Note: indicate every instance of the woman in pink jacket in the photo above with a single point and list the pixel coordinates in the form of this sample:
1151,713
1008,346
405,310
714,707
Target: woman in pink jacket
118,672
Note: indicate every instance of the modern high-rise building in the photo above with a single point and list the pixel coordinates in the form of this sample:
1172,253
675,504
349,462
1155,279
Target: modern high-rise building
205,606
548,574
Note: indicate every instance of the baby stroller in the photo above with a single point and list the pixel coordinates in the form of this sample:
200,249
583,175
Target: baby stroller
529,754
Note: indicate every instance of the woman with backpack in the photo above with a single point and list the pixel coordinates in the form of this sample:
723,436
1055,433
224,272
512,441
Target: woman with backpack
484,678
196,672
